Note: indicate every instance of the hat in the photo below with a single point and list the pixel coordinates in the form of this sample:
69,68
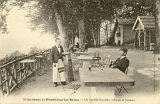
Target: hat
57,39
124,49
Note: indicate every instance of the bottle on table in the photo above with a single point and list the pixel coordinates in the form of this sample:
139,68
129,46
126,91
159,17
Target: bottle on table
110,64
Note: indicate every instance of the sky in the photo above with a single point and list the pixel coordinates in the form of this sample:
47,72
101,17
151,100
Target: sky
20,37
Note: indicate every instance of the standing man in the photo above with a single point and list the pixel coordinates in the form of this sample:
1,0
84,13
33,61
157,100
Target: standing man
86,47
57,60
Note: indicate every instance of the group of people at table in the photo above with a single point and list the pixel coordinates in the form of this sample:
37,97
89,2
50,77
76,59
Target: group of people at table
73,48
121,63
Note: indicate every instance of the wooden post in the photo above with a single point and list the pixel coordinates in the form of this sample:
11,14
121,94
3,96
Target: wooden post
1,86
145,41
69,68
139,38
93,92
34,65
7,82
15,71
11,78
20,73
23,66
149,37
135,33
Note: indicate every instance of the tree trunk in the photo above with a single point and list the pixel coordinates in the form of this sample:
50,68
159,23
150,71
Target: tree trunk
157,21
93,34
65,43
62,31
99,37
106,33
81,33
96,33
157,31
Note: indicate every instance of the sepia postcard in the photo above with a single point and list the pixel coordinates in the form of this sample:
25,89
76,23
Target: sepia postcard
79,51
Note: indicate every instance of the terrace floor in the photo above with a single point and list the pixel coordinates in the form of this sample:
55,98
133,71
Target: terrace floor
143,69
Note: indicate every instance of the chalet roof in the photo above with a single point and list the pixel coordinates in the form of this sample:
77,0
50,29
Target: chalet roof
125,21
145,22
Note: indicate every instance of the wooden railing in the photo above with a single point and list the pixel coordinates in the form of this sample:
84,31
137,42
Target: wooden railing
13,73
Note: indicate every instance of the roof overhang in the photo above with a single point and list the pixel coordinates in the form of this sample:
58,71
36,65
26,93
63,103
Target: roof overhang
135,24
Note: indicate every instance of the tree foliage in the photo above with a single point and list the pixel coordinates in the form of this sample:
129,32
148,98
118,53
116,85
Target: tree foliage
5,7
73,10
133,8
13,56
93,12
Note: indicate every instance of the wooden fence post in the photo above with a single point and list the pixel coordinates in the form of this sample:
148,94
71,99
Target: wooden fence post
7,81
1,86
15,70
20,73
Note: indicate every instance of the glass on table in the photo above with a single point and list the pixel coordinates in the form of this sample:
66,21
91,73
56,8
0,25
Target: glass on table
89,67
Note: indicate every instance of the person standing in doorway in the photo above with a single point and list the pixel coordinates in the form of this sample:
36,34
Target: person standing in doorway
58,66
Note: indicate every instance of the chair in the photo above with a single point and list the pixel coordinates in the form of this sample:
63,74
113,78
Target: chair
105,62
122,87
96,61
76,64
73,87
80,64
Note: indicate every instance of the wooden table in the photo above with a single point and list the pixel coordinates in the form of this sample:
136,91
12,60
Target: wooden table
46,52
86,60
27,61
40,56
26,67
82,53
107,80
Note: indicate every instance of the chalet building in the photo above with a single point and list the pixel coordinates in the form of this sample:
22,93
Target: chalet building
144,32
123,33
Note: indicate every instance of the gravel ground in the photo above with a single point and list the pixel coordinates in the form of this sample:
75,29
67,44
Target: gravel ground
141,69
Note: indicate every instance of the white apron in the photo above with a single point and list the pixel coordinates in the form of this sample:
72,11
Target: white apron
61,73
